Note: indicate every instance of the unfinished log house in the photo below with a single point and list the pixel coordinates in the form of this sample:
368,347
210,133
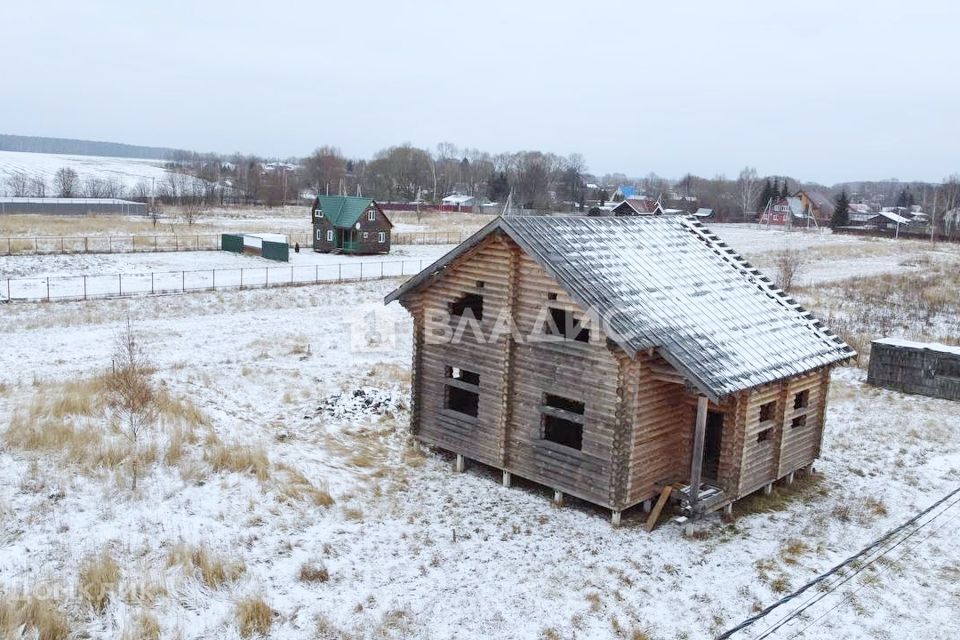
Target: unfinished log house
610,358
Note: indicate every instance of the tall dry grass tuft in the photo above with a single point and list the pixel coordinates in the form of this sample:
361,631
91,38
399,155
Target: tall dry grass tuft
213,570
254,617
294,486
32,616
144,627
239,459
98,579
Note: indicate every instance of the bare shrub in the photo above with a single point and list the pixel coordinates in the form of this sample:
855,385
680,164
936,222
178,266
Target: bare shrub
214,571
44,617
254,616
98,579
789,263
131,395
314,572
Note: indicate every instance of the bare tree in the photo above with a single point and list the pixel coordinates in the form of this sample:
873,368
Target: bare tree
66,182
748,186
18,183
38,187
131,395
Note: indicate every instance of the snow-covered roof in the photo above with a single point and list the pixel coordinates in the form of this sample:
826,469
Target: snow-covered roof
892,217
457,198
703,212
667,283
911,344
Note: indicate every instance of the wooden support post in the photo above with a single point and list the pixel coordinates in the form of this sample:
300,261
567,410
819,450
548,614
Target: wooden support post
790,478
696,462
615,518
558,498
506,478
459,465
647,505
728,510
768,489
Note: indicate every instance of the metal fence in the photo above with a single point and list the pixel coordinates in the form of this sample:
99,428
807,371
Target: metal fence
120,244
174,282
26,245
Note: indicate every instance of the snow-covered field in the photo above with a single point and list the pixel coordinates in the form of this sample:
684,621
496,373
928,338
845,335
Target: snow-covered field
37,277
298,381
129,171
413,550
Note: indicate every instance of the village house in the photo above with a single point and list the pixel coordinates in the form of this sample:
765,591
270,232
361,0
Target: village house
617,360
347,224
817,204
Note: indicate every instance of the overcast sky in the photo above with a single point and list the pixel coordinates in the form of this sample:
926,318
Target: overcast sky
822,91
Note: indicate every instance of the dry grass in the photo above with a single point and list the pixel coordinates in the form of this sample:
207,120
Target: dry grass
314,572
39,617
98,579
239,458
806,489
254,617
294,486
921,304
144,627
213,570
70,421
792,549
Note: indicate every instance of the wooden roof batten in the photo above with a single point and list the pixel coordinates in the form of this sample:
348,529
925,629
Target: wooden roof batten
587,256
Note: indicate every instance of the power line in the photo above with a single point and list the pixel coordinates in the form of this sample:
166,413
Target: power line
853,591
867,550
836,585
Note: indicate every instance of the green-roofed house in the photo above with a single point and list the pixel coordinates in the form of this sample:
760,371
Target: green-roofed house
347,224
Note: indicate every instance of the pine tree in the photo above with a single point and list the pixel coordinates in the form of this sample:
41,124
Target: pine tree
841,211
765,194
784,192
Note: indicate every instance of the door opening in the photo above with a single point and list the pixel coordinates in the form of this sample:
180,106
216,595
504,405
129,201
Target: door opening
711,445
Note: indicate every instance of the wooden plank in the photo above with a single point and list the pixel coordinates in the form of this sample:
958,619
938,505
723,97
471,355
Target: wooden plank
661,503
696,462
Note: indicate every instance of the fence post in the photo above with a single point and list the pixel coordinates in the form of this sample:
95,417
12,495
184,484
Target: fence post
361,272
154,244
120,279
266,281
316,273
198,244
9,247
61,245
151,283
183,281
381,270
48,288
339,272
84,287
214,279
86,244
241,278
110,240
8,289
291,274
